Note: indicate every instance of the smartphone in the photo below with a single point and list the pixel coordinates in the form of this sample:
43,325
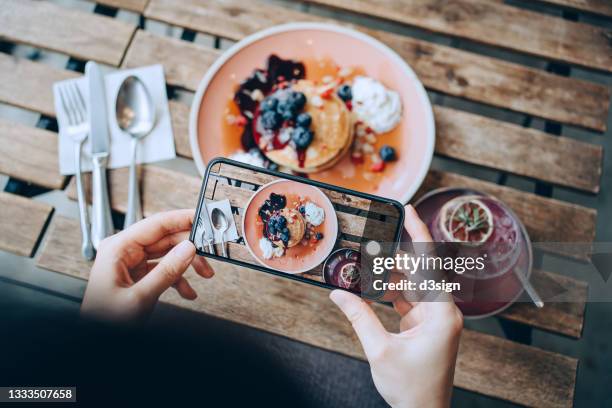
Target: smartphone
295,227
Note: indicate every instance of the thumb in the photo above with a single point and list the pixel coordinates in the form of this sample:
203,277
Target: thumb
366,324
168,270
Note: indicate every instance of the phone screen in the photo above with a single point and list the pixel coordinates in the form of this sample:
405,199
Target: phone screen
295,227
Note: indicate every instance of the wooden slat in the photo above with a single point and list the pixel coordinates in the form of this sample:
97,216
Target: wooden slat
137,6
29,154
526,152
28,84
488,142
603,7
22,222
161,189
441,68
486,364
546,219
561,317
179,115
78,34
184,62
495,24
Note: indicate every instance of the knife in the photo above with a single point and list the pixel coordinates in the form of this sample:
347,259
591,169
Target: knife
207,233
102,222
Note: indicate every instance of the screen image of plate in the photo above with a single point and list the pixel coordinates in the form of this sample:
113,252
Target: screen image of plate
289,226
321,100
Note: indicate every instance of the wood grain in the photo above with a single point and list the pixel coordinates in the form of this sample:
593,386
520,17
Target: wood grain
22,222
179,115
82,35
161,189
526,152
137,6
29,154
565,317
495,24
603,7
28,84
546,219
444,69
184,63
486,364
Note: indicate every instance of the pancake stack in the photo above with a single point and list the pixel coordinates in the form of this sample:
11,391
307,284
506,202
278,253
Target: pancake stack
332,128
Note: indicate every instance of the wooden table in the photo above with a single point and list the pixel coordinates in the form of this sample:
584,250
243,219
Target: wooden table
487,364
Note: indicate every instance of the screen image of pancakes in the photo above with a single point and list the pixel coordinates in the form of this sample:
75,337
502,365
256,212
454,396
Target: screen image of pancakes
289,226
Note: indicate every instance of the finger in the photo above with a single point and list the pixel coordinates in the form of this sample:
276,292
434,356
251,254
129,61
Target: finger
202,267
391,295
416,228
168,270
164,244
369,329
184,289
402,306
150,230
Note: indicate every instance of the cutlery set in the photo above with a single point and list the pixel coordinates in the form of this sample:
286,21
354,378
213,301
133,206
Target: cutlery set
135,113
218,222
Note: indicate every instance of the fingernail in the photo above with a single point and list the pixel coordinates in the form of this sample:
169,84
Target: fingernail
337,297
185,249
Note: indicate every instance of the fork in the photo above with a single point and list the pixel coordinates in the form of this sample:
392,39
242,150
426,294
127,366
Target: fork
205,237
75,111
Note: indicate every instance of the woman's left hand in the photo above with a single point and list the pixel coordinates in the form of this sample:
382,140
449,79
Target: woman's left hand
128,276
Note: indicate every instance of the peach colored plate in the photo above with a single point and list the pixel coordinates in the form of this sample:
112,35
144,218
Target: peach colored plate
297,259
413,138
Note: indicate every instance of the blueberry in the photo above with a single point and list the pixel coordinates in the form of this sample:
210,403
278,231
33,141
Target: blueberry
298,100
271,229
345,93
302,138
387,153
303,120
269,104
284,237
286,110
302,209
282,222
288,114
285,230
319,236
271,120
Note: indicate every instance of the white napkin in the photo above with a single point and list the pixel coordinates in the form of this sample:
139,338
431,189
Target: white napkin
157,146
224,205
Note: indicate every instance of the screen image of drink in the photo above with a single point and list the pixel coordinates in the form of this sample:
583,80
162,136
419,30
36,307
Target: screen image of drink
311,232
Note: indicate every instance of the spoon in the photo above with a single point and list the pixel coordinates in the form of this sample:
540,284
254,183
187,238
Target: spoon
220,224
135,114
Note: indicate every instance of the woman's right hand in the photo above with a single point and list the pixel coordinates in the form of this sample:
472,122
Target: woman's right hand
415,367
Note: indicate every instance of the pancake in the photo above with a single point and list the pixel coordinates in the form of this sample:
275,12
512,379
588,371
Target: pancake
296,226
332,128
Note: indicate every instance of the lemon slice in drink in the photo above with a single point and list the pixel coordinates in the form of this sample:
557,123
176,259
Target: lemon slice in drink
466,219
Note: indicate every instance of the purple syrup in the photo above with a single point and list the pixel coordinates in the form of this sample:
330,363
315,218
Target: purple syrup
278,70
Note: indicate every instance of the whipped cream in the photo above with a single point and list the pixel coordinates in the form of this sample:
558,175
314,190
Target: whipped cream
314,214
268,250
375,105
252,157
